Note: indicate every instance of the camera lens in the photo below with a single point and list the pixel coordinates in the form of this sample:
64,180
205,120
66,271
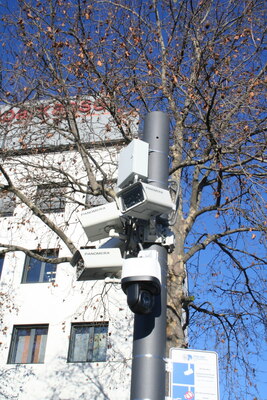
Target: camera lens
146,301
132,197
140,300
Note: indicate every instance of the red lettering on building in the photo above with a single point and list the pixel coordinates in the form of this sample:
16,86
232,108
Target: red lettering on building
7,116
85,106
59,110
42,112
98,106
23,115
48,112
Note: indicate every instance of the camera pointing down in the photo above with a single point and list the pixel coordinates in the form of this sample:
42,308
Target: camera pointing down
141,281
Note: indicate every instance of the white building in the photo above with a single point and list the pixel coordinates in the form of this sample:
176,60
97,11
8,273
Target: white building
60,339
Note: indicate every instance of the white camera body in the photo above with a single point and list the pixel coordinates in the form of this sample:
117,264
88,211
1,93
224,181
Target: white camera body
98,221
141,281
99,263
141,200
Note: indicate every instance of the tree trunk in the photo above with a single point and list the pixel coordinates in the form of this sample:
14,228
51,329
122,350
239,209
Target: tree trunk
176,293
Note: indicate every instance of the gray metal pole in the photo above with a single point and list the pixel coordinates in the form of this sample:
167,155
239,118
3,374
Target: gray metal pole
149,342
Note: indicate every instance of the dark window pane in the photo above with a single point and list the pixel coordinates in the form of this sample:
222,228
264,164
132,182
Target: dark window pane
81,340
38,349
1,264
100,343
50,199
7,204
32,270
39,271
49,272
94,201
22,345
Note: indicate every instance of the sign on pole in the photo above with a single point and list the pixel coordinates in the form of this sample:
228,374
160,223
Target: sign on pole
194,375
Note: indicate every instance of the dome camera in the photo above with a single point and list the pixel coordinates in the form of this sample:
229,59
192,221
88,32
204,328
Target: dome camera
141,281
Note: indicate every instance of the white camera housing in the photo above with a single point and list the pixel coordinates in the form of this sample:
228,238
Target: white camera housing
141,281
98,221
141,200
133,162
94,264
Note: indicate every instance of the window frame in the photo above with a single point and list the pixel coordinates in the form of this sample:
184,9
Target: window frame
92,352
43,266
31,349
2,260
47,193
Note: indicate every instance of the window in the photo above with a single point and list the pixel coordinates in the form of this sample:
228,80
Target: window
50,198
88,342
93,201
1,263
28,344
7,204
36,271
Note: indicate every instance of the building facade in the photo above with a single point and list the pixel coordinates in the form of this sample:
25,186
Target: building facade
61,339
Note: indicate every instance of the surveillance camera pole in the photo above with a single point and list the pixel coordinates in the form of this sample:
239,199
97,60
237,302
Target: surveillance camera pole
149,342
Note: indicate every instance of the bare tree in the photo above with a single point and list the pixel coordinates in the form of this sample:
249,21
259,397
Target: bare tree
200,61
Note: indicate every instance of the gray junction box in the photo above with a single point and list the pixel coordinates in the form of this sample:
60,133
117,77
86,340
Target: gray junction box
133,162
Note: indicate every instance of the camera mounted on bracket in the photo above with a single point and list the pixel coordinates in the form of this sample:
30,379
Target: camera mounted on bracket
99,221
141,281
138,215
141,200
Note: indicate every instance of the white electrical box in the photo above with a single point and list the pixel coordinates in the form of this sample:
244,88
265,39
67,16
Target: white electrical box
133,162
99,264
98,221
